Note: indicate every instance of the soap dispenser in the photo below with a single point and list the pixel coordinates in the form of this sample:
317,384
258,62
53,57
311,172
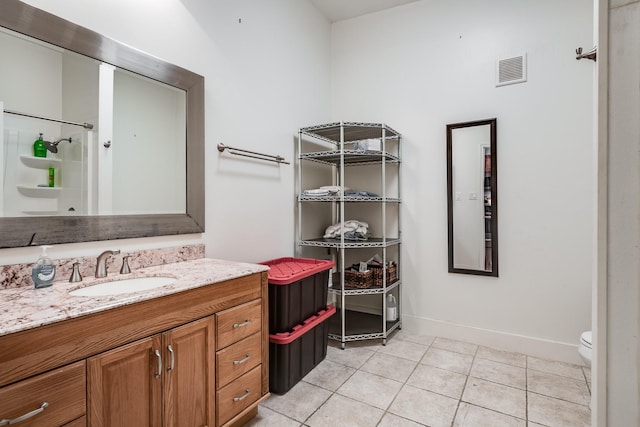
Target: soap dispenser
39,149
392,308
44,271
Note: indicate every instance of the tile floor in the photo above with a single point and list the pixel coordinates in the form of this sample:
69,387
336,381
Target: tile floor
426,381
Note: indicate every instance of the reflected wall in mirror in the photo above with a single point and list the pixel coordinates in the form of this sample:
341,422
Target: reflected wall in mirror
148,182
472,197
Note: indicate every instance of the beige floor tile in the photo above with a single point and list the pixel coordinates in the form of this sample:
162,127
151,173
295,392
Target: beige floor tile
449,360
554,412
405,349
390,420
408,336
554,367
559,387
268,418
475,416
457,346
500,373
342,411
298,403
388,366
501,356
498,397
424,407
353,357
370,389
438,380
329,375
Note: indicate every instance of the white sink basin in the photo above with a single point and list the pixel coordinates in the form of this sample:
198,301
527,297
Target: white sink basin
123,286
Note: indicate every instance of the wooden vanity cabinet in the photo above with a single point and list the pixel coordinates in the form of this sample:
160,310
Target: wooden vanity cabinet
165,380
152,363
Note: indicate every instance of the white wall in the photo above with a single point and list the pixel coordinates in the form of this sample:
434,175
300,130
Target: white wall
421,66
623,259
266,69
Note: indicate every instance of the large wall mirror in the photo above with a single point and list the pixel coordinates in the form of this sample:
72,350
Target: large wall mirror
125,133
472,197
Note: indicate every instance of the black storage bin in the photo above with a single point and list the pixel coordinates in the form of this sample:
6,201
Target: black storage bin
293,355
298,289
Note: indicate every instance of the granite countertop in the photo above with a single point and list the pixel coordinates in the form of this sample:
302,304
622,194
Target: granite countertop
27,308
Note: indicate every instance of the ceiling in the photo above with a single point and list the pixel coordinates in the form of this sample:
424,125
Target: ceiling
338,10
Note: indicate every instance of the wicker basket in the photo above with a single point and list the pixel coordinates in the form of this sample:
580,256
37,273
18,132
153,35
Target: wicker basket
377,270
356,279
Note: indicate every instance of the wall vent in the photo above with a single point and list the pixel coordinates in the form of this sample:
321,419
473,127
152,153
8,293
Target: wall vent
511,70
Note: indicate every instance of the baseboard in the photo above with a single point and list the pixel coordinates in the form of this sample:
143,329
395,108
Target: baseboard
536,347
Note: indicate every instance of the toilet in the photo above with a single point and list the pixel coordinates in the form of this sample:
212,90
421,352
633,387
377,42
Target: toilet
585,347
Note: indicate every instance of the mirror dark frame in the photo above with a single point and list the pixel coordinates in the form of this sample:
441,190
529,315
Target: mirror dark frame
18,232
493,179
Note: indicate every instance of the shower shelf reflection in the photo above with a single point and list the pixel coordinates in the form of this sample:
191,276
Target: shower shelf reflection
40,162
42,192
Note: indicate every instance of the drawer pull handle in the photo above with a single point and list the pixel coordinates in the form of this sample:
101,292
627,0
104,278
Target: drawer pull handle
244,396
241,325
241,361
28,415
159,356
172,358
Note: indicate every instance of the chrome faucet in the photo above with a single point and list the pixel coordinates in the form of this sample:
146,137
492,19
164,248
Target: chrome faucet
101,263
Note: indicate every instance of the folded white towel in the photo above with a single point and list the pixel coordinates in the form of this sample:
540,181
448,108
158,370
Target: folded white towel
316,192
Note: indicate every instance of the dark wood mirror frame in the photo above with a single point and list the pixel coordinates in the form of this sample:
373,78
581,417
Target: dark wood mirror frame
18,232
493,179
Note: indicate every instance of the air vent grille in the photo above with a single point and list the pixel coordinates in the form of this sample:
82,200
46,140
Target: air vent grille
511,70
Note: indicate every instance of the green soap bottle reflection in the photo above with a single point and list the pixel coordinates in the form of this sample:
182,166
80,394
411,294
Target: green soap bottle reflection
39,149
52,176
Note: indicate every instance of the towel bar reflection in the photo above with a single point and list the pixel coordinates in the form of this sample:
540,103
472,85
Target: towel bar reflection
252,154
33,116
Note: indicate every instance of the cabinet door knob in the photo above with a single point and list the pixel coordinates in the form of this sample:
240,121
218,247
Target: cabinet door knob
172,358
159,357
4,421
241,361
240,325
244,396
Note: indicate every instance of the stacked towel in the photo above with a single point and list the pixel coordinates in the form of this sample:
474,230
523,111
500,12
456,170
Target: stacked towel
327,190
352,230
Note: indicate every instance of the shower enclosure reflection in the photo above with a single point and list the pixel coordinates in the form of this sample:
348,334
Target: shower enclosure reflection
141,170
472,197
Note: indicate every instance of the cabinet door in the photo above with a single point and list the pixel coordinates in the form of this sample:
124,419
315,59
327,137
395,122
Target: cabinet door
125,387
189,394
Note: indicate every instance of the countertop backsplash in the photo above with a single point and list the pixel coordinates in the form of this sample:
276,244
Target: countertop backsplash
19,275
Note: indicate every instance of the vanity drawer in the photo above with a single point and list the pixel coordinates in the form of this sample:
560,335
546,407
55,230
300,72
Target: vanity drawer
63,390
238,323
239,395
238,358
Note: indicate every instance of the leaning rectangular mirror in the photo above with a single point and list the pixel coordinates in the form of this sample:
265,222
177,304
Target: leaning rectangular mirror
472,197
136,171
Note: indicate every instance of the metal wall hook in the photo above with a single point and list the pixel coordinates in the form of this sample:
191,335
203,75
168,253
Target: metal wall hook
592,54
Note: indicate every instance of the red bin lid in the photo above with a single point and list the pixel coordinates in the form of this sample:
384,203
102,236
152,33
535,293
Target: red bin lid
283,271
303,328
